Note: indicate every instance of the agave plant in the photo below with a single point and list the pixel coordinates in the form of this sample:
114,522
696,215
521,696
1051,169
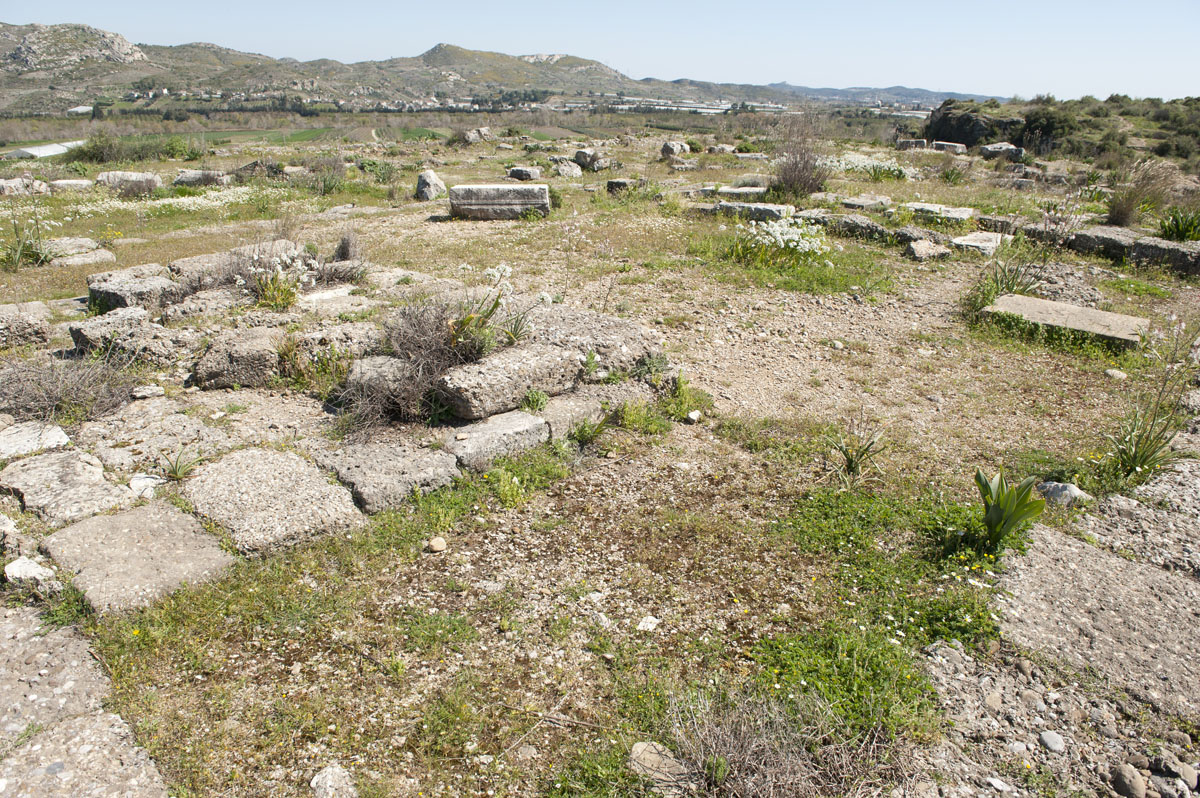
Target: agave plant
179,467
1007,508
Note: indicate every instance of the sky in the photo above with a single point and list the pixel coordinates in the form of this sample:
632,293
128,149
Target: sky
1067,48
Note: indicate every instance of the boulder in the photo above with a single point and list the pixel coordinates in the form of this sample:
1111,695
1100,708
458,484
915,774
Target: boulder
99,332
147,286
923,250
24,572
384,476
143,182
620,184
61,487
246,358
20,329
429,186
22,187
853,225
591,160
498,382
525,173
671,149
477,445
755,211
505,201
1002,149
479,134
268,499
568,169
132,558
721,149
65,247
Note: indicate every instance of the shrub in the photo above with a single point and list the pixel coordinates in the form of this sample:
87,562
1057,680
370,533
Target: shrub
857,446
1180,225
328,176
277,289
1139,190
318,372
800,171
26,246
347,247
65,391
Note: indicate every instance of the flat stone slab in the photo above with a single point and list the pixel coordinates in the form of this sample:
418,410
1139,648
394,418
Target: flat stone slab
477,445
1111,326
564,413
740,193
499,201
756,211
985,243
384,476
498,382
91,755
1089,608
134,557
617,343
61,487
93,258
59,186
29,437
65,247
47,674
269,499
335,301
936,211
868,202
146,286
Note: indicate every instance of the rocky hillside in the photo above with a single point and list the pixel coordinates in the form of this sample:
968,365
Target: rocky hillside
48,68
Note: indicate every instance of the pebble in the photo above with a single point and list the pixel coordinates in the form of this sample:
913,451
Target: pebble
1052,741
437,544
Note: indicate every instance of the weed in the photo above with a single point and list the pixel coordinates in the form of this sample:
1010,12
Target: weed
1140,189
858,443
179,467
276,289
534,401
1180,224
66,391
1007,510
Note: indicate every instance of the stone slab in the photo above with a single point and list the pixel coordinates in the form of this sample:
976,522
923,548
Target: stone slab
29,437
936,211
1111,326
477,445
68,246
756,211
564,413
982,242
61,487
147,286
617,343
499,201
383,476
246,358
134,557
47,674
87,756
499,382
868,202
93,258
270,499
1112,242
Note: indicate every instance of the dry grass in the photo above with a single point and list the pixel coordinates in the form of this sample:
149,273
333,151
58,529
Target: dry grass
1143,188
65,391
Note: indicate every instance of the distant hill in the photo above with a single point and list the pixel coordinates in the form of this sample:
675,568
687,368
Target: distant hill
49,68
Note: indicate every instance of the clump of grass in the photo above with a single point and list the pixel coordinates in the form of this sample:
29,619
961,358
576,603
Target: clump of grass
319,372
856,446
587,432
1179,224
274,289
347,248
66,391
26,245
1141,189
534,401
181,466
682,398
1007,275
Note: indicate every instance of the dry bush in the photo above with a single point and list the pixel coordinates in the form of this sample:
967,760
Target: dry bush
1143,188
347,247
340,272
745,744
65,391
800,170
286,226
419,334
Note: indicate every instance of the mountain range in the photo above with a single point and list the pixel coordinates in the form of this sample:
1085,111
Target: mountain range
49,68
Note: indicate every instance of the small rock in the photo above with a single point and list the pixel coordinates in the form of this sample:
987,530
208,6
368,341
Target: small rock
437,544
648,624
1052,741
994,701
997,785
694,417
526,752
25,572
1178,737
1025,667
1127,781
1063,494
838,345
144,485
668,776
334,781
147,392
1115,374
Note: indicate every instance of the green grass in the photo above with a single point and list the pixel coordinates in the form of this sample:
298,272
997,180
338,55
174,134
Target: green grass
1131,286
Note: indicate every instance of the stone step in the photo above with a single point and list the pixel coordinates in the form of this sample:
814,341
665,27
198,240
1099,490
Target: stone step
499,201
383,476
477,445
1115,327
756,211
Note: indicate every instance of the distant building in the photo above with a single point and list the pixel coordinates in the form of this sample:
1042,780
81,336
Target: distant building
42,150
79,110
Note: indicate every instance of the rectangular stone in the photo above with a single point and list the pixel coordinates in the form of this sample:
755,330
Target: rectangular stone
756,211
950,146
1111,242
134,557
1182,256
384,476
935,211
498,382
505,201
1115,327
911,144
508,434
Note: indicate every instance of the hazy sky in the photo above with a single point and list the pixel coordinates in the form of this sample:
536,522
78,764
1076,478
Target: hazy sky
1065,47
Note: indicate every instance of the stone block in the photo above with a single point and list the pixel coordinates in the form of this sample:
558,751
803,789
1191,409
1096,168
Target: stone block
477,445
1116,327
504,201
